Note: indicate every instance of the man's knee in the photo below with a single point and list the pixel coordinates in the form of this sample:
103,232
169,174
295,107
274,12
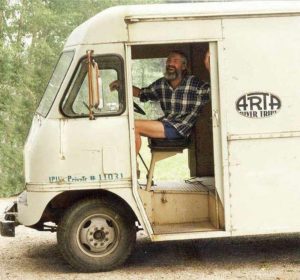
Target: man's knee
142,124
149,128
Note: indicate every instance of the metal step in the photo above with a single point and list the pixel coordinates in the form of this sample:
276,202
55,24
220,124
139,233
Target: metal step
183,228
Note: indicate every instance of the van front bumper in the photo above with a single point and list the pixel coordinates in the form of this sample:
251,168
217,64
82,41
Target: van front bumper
8,220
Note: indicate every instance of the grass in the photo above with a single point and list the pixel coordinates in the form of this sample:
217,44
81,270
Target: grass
173,168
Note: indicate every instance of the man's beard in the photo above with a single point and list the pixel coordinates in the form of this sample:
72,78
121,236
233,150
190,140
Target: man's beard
172,75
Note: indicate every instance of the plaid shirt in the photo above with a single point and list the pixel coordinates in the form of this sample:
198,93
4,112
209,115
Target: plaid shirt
180,105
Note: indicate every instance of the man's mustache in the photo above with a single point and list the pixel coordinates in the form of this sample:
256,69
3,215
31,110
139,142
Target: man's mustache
168,68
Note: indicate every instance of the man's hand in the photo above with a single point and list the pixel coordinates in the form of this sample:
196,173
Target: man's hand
136,91
115,85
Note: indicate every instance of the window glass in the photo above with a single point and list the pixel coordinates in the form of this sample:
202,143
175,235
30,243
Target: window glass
55,82
144,73
111,102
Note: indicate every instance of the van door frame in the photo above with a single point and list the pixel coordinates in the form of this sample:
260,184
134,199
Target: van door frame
128,89
218,131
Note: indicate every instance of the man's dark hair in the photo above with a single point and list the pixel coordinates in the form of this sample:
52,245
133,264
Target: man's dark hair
182,54
184,60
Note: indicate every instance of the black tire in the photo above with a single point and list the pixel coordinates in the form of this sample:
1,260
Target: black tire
96,235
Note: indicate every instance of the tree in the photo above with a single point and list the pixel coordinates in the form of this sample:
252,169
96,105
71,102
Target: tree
32,34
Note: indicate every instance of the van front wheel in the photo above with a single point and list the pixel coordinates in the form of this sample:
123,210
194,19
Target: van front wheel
96,235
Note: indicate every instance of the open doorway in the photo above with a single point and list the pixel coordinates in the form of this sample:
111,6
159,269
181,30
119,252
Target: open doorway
180,195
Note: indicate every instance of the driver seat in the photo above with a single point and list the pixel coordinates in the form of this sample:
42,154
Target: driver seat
162,149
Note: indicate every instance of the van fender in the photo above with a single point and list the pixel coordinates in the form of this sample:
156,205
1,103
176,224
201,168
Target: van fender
32,204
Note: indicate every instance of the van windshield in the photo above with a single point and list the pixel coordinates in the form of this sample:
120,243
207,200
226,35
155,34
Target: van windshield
55,82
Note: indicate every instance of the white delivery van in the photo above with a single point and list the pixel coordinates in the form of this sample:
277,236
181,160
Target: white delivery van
243,154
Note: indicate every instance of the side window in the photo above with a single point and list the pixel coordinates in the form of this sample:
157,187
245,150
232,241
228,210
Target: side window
111,103
144,73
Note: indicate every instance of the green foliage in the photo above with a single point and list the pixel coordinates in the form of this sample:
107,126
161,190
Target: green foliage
175,168
32,34
144,72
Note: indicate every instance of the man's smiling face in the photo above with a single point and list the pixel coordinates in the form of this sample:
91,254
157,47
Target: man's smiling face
175,65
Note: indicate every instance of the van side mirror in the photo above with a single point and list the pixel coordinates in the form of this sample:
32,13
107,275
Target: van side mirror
94,84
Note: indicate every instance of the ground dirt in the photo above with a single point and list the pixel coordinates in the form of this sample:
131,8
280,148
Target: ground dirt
35,255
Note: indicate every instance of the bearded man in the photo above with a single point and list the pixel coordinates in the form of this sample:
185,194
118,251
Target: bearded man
181,97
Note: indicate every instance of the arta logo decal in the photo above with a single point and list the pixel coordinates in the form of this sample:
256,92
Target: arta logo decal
258,105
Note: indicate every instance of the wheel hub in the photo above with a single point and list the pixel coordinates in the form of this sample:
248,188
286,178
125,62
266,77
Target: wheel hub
97,234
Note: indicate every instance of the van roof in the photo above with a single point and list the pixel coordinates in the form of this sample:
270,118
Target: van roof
110,25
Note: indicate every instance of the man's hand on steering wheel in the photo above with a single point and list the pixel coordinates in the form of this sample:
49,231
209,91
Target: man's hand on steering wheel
115,85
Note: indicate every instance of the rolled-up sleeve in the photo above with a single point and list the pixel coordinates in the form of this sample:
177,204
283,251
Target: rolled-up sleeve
202,97
150,92
205,93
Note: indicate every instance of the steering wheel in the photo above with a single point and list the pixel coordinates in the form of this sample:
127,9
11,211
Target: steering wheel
138,109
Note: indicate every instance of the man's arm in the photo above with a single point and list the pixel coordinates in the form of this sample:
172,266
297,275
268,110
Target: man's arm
202,97
149,92
115,85
136,91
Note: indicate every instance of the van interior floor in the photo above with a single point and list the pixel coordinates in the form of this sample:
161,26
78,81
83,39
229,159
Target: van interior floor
195,184
181,206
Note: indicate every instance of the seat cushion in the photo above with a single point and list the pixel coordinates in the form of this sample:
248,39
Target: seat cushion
169,145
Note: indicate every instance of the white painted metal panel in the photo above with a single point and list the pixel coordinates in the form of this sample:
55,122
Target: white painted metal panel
73,151
174,31
88,143
109,25
219,157
262,54
42,150
105,27
264,185
31,206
